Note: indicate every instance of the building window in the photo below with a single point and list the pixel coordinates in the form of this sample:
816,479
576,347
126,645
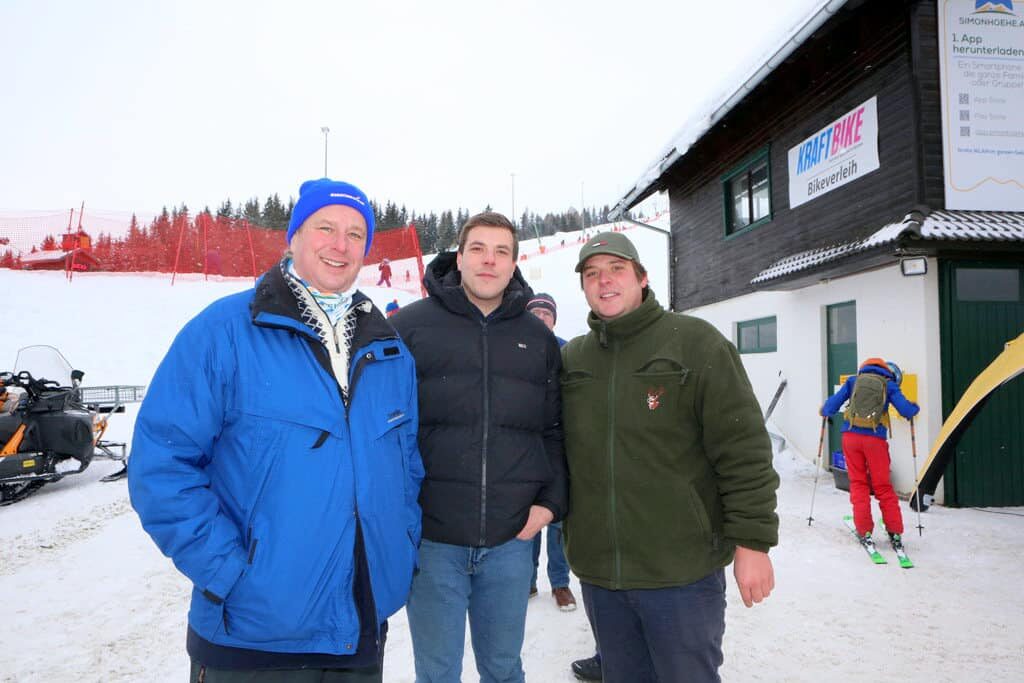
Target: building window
756,336
748,194
988,284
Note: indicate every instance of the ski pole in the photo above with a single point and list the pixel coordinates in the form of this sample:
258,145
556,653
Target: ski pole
913,451
817,468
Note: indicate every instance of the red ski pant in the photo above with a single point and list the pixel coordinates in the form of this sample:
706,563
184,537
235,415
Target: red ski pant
867,463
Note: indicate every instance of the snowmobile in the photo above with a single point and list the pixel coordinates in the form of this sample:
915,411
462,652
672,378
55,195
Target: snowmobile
52,426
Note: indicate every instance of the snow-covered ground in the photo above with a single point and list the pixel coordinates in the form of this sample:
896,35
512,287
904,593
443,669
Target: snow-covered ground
86,596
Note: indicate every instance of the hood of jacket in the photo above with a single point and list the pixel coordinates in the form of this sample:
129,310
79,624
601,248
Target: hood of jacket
444,281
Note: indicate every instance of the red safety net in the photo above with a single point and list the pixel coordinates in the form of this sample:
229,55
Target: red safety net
395,260
180,243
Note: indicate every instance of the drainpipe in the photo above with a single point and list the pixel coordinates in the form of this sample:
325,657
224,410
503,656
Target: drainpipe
671,256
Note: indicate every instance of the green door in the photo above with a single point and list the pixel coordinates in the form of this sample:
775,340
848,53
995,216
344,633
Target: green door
841,328
982,309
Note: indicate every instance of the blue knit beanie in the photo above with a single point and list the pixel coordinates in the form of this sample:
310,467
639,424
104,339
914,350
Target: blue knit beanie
316,194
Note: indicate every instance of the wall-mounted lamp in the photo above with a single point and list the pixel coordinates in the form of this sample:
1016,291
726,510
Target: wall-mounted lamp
914,266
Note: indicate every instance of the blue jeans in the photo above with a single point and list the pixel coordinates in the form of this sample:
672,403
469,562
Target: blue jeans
492,585
661,634
558,568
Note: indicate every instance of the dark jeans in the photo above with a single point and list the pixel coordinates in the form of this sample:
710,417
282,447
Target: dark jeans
202,674
590,620
662,635
558,568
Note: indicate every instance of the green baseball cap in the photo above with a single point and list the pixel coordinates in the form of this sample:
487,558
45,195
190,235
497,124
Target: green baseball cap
612,243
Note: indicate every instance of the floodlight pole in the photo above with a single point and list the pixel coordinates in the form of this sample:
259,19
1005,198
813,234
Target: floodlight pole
513,198
325,130
583,225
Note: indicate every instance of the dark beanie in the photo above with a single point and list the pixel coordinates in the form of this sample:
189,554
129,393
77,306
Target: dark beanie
543,301
316,194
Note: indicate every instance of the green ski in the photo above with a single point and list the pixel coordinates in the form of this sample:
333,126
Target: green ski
897,546
865,541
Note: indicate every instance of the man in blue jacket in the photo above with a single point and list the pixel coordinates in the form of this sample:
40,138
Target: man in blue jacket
296,521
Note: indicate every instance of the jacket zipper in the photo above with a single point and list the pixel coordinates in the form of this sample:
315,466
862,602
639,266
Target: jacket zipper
361,363
483,454
611,465
373,600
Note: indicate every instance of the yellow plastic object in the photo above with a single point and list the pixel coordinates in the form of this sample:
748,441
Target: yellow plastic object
1006,366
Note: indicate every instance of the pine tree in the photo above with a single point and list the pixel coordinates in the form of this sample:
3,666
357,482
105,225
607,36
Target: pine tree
251,212
392,217
426,230
445,232
225,210
274,215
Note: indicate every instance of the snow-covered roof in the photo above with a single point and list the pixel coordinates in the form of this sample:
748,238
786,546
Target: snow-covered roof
977,226
44,256
701,123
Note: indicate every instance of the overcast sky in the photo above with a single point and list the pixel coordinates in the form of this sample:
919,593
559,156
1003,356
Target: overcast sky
130,106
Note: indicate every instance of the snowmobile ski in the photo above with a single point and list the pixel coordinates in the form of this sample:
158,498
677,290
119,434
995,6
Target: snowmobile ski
866,542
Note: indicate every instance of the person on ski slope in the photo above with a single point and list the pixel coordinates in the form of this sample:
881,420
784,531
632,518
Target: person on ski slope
865,445
296,522
385,273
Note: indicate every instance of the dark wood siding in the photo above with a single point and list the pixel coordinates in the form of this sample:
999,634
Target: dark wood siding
863,52
924,25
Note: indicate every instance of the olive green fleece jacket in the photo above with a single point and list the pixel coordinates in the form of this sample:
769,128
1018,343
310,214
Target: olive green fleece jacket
670,465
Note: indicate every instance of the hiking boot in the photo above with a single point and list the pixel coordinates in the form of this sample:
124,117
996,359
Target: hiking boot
564,598
588,669
897,541
533,591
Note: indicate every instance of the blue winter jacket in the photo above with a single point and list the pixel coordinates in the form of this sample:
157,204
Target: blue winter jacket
251,473
893,396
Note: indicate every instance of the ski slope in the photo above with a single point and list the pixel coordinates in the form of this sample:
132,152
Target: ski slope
86,596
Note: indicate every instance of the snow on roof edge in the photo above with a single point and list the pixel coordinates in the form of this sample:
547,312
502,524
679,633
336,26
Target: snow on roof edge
696,126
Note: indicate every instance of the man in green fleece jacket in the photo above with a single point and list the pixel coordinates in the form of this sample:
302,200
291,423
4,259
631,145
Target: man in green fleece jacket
670,472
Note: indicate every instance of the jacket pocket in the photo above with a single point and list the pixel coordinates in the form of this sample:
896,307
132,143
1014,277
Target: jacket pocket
701,516
287,596
576,379
580,410
299,534
659,395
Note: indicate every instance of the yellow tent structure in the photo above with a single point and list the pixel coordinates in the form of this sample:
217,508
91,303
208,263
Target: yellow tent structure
1004,368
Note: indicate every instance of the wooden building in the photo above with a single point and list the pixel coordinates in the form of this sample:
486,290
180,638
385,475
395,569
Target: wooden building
862,194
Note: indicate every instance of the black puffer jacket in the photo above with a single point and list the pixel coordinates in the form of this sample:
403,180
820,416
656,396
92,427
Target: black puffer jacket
490,411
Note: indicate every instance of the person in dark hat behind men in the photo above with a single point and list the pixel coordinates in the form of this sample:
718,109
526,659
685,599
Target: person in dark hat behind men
296,522
543,306
662,401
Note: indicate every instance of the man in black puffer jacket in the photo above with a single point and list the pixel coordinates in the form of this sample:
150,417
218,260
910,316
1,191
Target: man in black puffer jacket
491,441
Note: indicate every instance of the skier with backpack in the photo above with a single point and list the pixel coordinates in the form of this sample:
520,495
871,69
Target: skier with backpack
865,447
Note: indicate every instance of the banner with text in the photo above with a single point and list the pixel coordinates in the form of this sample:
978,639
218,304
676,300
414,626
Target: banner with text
839,153
981,70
